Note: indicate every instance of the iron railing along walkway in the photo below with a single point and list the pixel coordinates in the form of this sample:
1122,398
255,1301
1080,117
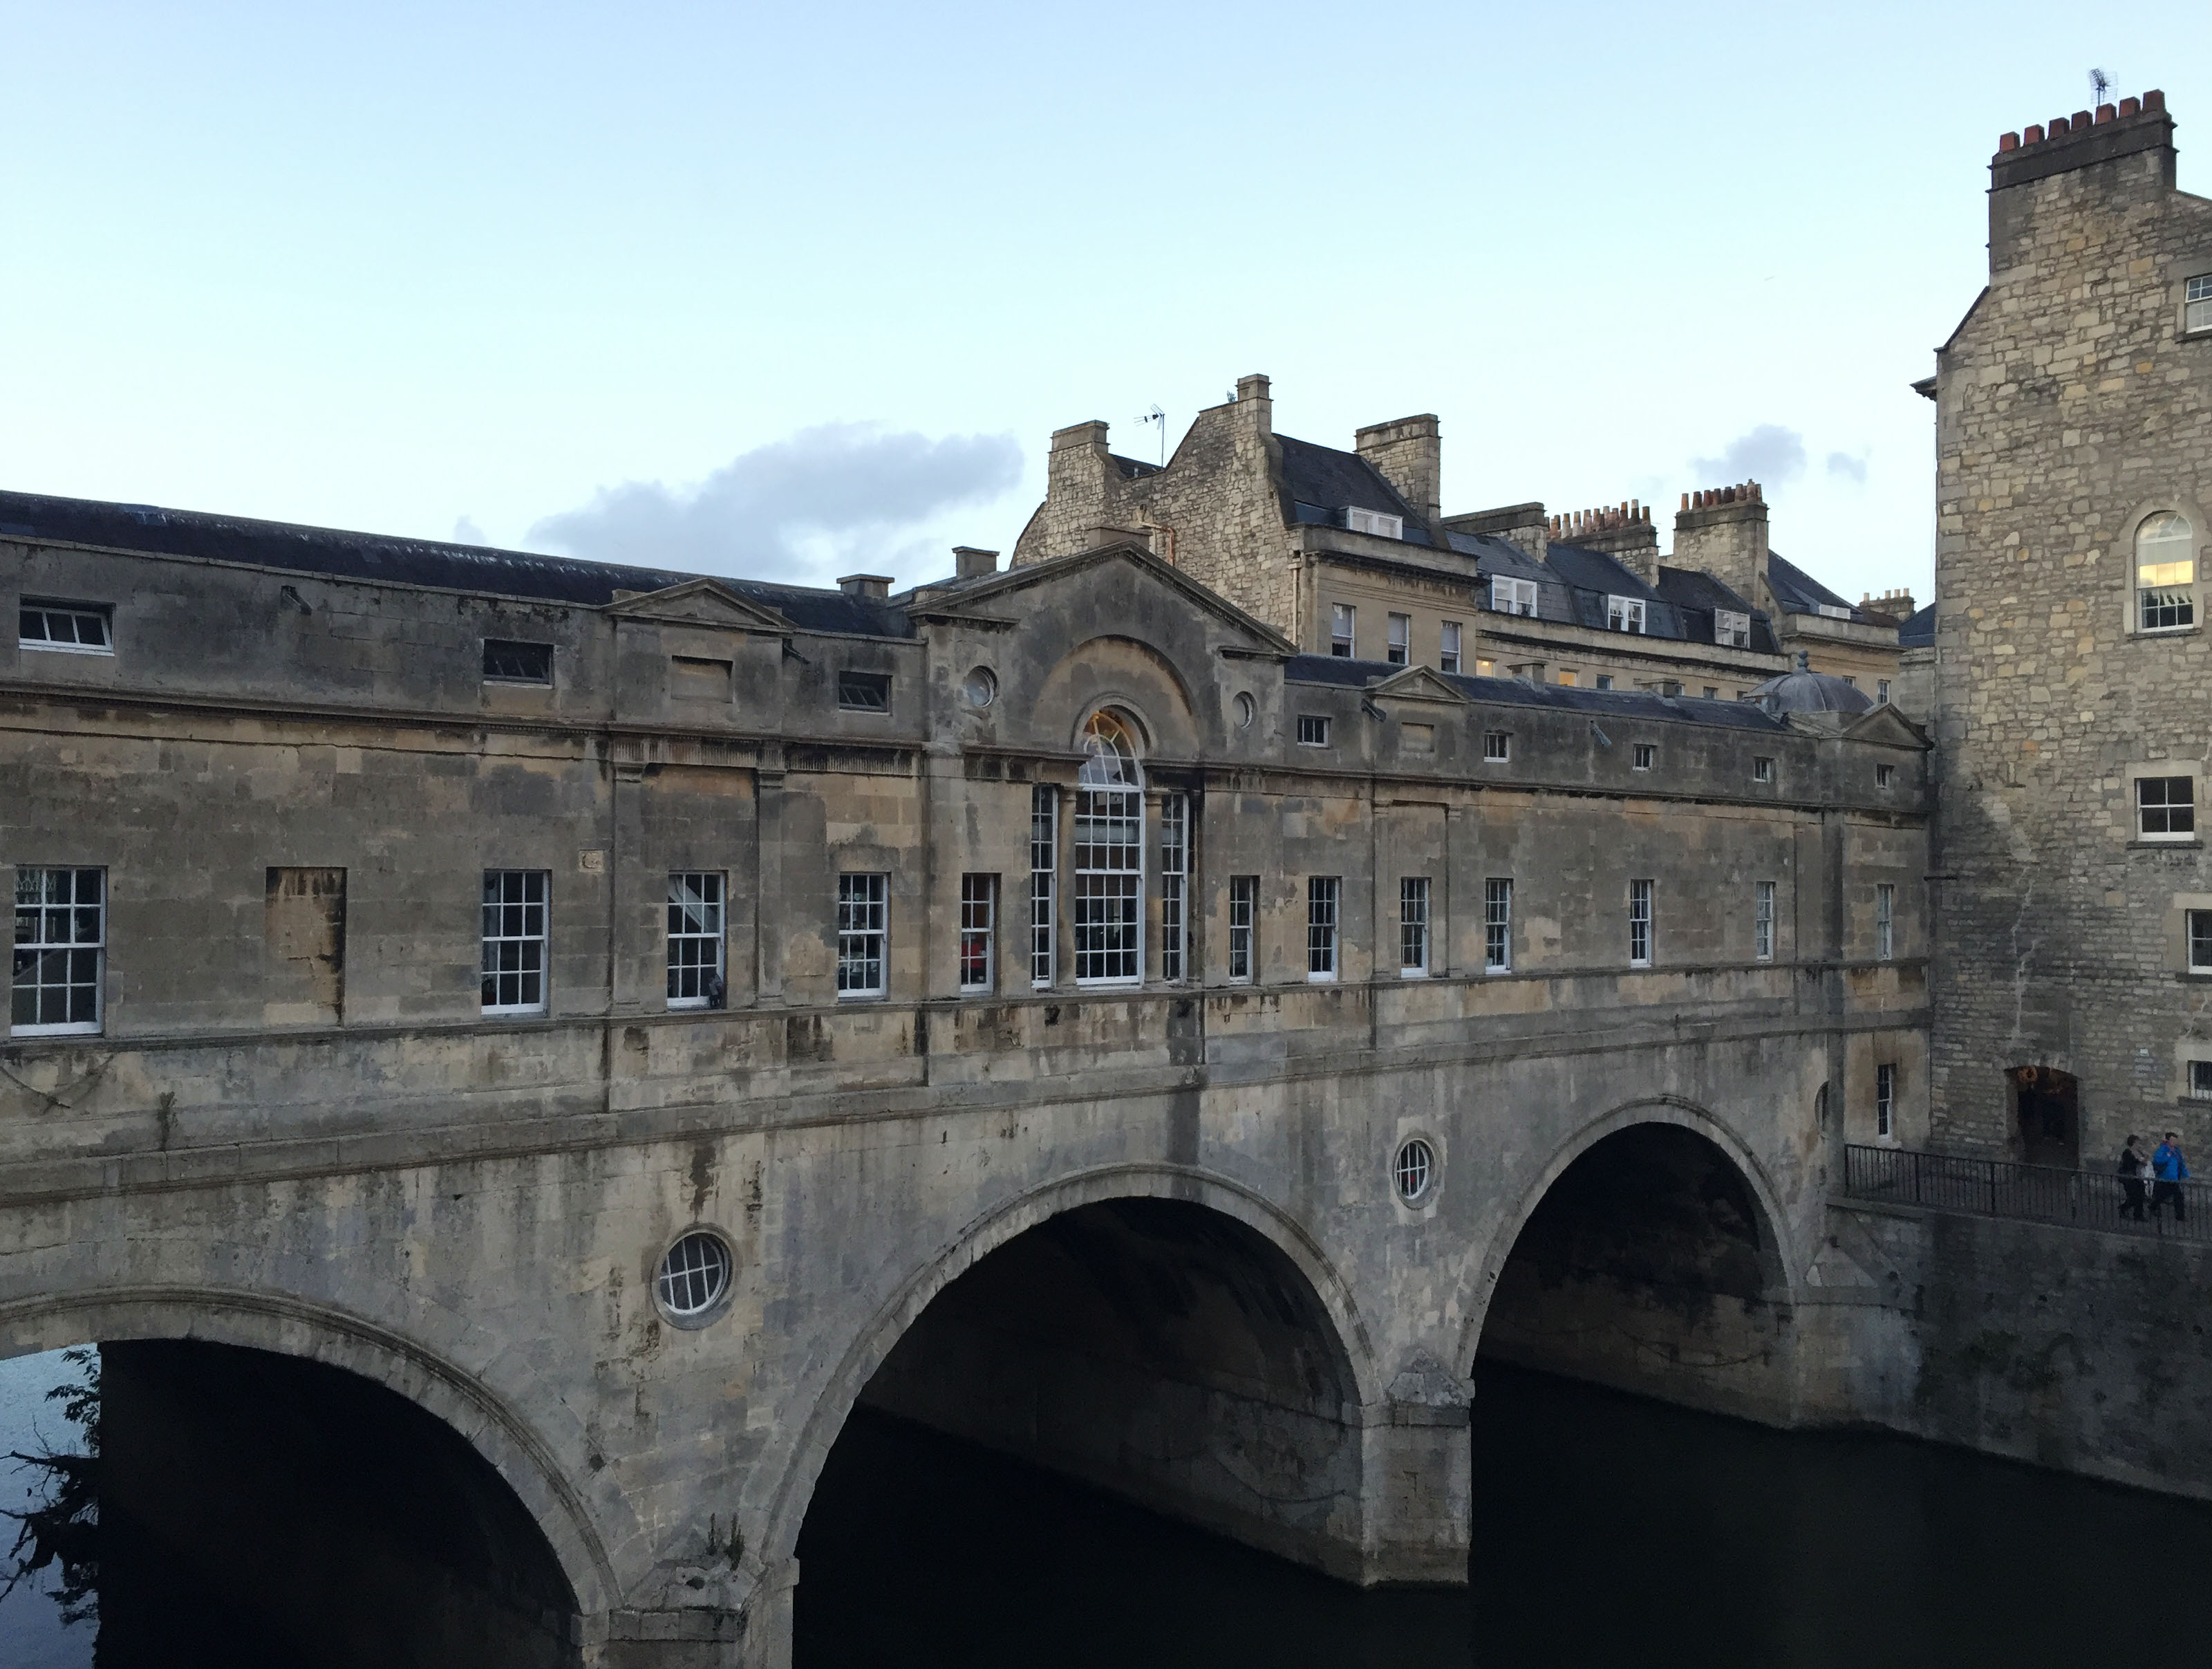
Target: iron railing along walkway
2037,1193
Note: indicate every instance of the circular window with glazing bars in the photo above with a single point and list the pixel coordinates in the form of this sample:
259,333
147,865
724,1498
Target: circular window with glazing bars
979,688
694,1278
1414,1170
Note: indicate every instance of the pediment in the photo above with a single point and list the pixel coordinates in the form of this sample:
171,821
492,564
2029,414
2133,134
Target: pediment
1419,684
1886,726
1259,637
705,602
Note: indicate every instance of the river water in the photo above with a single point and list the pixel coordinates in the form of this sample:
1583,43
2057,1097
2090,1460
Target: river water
1608,1530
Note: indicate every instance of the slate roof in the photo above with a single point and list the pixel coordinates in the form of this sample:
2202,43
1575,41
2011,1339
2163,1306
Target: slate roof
1573,587
1323,482
1919,631
380,559
1344,673
1799,592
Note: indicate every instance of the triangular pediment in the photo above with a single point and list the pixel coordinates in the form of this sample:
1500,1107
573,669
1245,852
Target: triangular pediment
1419,684
1259,637
1886,726
705,602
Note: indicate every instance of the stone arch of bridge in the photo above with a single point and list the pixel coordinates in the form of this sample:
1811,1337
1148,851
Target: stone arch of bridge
1778,1262
287,1326
833,1404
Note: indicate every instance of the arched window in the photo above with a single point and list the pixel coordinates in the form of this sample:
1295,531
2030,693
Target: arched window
2166,572
1109,854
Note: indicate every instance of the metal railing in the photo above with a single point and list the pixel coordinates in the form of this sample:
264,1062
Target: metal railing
2036,1193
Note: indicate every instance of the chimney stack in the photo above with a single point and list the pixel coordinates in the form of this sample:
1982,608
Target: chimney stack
1721,531
876,586
971,562
1408,455
1252,398
1622,531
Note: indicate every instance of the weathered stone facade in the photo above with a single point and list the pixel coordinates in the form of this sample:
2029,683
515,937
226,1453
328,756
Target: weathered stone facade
2074,406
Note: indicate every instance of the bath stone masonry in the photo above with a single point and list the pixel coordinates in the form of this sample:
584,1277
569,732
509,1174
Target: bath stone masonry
638,1016
2074,465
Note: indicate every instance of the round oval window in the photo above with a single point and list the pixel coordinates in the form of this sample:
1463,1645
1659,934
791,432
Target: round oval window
1415,1169
981,689
693,1276
1247,710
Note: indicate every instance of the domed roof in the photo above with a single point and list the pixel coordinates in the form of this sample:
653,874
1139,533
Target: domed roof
1807,692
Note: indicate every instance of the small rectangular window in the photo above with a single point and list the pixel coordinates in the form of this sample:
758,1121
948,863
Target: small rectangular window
506,661
1174,881
1322,895
61,951
2200,1080
1645,755
1882,691
1885,921
1884,776
1762,768
1400,647
864,692
1044,865
1448,656
514,941
1497,925
2166,807
1762,921
1484,668
1568,678
1513,596
979,931
1341,620
2196,303
1604,681
863,905
1375,521
695,977
1885,1101
1497,746
71,628
1712,692
1850,683
1731,630
1412,925
1243,906
2200,942
1624,614
1639,924
1312,730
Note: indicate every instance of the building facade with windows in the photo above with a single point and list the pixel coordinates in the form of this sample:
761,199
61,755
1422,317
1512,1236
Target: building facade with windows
2068,652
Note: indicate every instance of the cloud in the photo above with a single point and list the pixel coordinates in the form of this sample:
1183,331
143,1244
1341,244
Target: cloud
465,532
798,510
1769,453
1851,469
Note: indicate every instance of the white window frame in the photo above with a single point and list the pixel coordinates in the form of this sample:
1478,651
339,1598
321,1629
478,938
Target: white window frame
2197,302
51,609
1324,927
50,926
864,939
1762,768
1243,926
1497,747
1762,922
697,922
1603,681
1381,523
1449,640
1044,873
1108,890
1625,614
979,933
1398,641
1413,895
2191,938
1497,924
1885,1102
2165,811
1343,631
1318,727
1175,886
1639,924
2200,1080
524,897
1731,630
1642,756
1882,691
1512,596
2165,574
1885,921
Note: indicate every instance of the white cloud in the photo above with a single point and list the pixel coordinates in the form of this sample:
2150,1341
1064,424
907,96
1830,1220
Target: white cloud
1849,468
800,510
465,532
1769,453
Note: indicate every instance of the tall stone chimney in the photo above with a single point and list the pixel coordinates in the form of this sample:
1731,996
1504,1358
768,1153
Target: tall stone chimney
1722,531
1253,401
971,561
1408,455
1624,532
2132,143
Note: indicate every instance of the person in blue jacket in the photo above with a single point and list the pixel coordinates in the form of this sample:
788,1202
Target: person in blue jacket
2169,1168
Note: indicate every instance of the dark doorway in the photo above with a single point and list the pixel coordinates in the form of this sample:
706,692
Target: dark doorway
2049,1105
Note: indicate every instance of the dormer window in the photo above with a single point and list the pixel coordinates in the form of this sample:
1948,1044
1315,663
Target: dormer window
1833,611
1512,596
1624,614
1376,522
72,628
1731,630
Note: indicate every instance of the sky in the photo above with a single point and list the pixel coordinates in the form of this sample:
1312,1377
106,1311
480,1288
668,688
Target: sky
803,290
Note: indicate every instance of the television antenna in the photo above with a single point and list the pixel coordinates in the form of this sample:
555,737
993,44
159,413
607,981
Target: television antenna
1158,419
2099,84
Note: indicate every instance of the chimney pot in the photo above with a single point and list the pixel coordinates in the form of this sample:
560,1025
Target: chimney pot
969,562
2154,99
2080,119
2130,107
2059,129
2034,135
2105,113
878,586
1686,501
2007,142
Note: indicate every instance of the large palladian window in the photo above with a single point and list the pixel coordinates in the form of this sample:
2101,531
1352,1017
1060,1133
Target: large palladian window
1109,854
2166,572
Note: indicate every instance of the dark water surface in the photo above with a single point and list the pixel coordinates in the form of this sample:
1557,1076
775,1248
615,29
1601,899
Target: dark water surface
1608,1530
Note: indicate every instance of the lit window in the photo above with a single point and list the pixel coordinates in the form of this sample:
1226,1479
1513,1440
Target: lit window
513,967
1885,921
1512,596
695,939
1413,924
1624,614
1376,522
1044,862
1110,856
508,662
72,628
1312,730
61,945
1497,925
2166,807
979,931
1448,656
1568,677
2200,942
2197,305
1639,924
2166,572
1496,745
1762,769
863,904
1174,862
1484,668
1243,906
1885,1102
1401,639
1762,922
864,692
1322,895
1646,755
1731,630
1341,616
